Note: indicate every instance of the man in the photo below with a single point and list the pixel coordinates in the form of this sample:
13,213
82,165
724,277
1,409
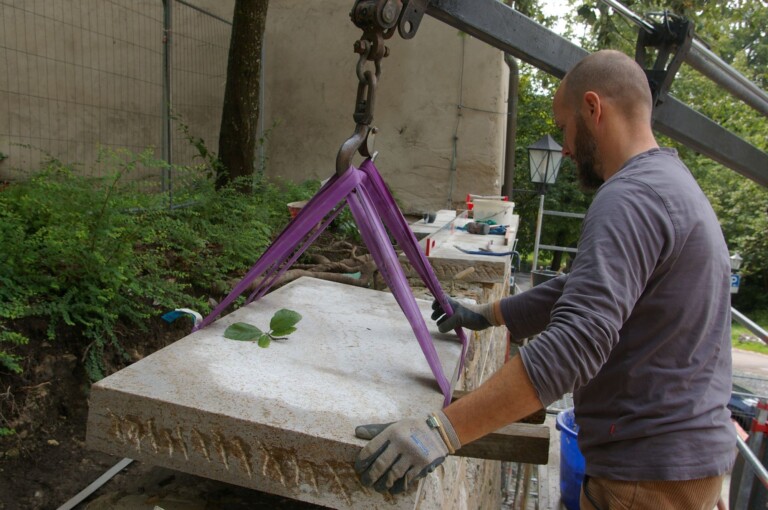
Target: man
639,329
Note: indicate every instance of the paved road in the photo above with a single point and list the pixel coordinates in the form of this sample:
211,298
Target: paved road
750,362
750,370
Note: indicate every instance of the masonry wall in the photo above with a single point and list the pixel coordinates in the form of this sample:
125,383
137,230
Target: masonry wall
464,483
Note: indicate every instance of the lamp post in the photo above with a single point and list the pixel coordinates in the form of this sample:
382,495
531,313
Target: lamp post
544,158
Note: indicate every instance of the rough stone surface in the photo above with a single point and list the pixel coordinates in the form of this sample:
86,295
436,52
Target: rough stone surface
459,483
280,419
463,483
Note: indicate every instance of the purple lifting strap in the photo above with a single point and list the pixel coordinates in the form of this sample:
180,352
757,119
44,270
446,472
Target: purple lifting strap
375,211
387,208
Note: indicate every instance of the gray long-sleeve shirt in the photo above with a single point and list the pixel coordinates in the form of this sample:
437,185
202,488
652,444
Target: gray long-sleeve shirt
640,328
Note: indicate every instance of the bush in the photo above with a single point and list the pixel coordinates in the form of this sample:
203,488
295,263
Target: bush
89,256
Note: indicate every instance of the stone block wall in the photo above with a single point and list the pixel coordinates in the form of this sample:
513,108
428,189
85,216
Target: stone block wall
462,483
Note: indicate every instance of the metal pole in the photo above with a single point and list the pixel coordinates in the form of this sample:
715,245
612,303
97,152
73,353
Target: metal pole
750,463
262,92
538,233
96,484
710,65
509,147
752,326
752,460
166,107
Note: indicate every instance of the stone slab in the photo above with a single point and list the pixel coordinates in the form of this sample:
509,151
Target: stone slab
449,262
280,419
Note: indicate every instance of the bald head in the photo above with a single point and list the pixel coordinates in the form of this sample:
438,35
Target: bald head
614,77
603,107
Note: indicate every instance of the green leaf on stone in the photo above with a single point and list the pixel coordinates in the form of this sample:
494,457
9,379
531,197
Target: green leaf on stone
243,332
264,341
283,332
284,320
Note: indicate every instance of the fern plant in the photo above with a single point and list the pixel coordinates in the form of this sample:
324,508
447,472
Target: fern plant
90,257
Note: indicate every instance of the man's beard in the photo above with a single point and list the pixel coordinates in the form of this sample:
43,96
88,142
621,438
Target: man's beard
585,157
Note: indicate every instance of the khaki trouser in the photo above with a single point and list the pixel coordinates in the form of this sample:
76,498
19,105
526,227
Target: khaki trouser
699,494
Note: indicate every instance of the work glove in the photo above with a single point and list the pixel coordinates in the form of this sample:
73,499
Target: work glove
404,452
474,317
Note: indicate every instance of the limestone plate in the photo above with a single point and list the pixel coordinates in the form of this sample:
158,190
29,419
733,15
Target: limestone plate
280,420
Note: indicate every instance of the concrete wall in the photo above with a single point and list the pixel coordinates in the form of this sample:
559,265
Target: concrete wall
81,76
310,90
88,74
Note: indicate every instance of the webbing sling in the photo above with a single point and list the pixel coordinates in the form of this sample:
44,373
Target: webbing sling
375,212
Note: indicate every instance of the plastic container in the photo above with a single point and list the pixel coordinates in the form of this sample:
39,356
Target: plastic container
539,276
571,460
498,211
295,207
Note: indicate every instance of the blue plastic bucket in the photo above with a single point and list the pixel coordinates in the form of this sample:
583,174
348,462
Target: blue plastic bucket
571,460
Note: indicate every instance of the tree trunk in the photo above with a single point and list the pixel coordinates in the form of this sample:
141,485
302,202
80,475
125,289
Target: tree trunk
240,115
557,256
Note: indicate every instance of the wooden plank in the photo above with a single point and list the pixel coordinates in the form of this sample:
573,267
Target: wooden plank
519,442
526,441
537,417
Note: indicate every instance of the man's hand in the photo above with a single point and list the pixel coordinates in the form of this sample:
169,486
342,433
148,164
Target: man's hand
405,452
474,317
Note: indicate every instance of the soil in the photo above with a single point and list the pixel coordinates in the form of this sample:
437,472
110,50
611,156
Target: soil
45,462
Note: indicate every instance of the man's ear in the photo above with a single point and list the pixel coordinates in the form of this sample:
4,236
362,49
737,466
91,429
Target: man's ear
592,106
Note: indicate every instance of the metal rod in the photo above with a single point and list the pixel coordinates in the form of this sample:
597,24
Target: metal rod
565,214
747,323
752,465
203,11
552,247
624,11
754,462
166,106
96,484
710,65
538,233
509,145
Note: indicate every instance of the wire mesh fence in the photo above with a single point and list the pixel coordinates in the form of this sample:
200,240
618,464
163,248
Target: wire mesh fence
80,77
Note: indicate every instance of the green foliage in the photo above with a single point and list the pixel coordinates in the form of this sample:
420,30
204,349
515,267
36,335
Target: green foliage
243,332
8,360
281,325
283,322
89,257
344,226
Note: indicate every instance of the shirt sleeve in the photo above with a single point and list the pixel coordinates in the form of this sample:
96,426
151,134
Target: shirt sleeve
623,238
527,314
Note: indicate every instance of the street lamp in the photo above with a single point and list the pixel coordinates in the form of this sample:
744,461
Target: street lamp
544,158
736,261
